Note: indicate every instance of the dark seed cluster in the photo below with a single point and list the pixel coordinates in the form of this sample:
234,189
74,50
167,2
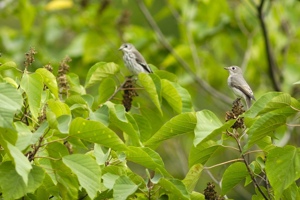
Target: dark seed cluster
236,111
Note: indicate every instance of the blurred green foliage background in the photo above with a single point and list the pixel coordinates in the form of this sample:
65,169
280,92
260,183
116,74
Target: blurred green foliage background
206,35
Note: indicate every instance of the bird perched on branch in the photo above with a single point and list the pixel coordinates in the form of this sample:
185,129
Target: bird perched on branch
134,60
239,85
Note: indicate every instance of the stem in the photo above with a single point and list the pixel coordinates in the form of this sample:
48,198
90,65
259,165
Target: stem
247,165
273,68
117,90
215,93
46,157
223,163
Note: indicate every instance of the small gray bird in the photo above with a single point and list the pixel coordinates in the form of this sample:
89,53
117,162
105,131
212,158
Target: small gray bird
133,60
238,84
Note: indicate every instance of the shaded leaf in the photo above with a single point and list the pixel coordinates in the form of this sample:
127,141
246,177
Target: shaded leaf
209,126
234,174
147,158
192,177
175,189
123,187
202,152
87,171
287,170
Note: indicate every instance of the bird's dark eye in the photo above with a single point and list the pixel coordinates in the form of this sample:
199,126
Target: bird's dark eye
233,68
126,45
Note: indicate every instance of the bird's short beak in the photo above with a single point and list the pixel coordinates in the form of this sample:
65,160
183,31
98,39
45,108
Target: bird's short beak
121,48
227,68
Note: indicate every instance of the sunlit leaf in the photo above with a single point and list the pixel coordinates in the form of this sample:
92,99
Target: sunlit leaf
178,98
99,71
8,65
49,80
151,84
10,102
33,85
181,124
59,5
95,132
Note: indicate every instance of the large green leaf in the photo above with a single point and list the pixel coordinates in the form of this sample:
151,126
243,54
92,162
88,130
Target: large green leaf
33,86
87,171
260,104
234,174
22,164
209,126
49,80
95,132
64,179
144,127
181,124
267,124
58,108
283,168
24,135
11,101
120,118
202,152
123,187
106,90
99,71
147,158
8,65
12,184
175,189
152,86
177,97
192,177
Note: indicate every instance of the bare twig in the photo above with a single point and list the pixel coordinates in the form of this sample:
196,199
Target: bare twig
274,72
185,65
247,165
46,157
223,163
118,89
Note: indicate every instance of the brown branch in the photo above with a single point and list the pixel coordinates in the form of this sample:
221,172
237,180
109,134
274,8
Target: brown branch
215,93
223,163
247,165
274,72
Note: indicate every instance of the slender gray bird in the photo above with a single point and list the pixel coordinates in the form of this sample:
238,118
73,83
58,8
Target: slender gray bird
238,84
134,60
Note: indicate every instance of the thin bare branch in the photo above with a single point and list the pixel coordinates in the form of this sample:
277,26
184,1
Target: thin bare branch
224,163
251,173
274,72
215,93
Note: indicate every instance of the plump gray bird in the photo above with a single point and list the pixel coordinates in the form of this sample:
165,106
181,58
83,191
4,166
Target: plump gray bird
238,84
134,60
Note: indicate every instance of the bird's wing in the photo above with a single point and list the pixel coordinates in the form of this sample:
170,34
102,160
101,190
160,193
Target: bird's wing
140,60
243,86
